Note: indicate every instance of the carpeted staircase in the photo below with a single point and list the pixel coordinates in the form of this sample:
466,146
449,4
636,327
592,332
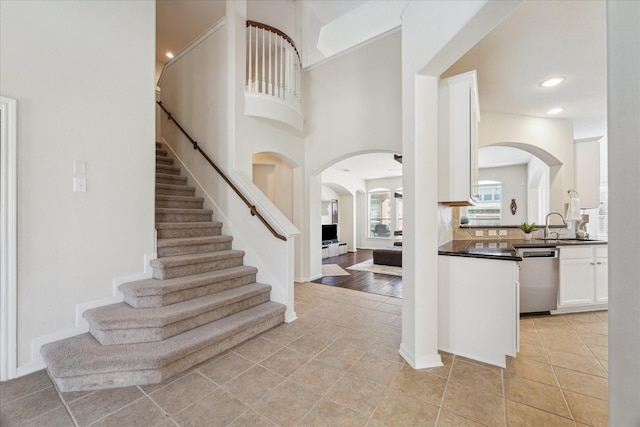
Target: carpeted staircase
201,301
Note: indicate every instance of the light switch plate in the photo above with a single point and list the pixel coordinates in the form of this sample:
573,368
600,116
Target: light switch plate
503,232
79,167
493,233
79,185
479,233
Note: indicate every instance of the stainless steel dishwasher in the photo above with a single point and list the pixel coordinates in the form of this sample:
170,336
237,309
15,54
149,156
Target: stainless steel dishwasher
539,277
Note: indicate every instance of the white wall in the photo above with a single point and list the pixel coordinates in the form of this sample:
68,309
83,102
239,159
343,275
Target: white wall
274,177
83,75
353,106
514,186
554,136
623,88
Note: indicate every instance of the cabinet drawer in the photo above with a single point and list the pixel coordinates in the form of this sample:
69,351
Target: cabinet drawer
601,252
576,253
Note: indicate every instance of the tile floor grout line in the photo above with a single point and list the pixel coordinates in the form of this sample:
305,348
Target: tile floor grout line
444,392
148,395
504,395
29,394
553,369
64,402
117,410
591,351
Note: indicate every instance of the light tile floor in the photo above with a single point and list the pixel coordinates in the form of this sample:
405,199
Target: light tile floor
338,365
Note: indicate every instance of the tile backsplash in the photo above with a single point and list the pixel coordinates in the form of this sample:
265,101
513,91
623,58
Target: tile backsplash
489,233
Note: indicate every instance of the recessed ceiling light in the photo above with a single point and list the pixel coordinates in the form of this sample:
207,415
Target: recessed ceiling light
552,82
169,55
555,111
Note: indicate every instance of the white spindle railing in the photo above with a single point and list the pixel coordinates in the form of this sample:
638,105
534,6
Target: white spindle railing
273,64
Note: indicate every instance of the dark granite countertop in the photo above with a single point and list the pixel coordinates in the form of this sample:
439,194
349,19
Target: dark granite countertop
505,249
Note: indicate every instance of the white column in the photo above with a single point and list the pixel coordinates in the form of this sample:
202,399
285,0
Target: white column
623,86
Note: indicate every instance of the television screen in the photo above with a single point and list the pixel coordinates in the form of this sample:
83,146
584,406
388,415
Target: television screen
329,233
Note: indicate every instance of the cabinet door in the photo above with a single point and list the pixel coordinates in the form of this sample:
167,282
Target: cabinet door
576,282
601,281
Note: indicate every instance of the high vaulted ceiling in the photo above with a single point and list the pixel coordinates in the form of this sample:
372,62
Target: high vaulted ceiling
539,39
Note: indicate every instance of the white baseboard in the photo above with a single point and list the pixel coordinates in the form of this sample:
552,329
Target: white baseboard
423,362
82,326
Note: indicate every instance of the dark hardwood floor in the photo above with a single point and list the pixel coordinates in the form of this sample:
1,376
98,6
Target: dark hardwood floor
375,283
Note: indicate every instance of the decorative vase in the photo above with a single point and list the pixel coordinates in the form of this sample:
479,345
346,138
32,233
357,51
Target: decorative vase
527,237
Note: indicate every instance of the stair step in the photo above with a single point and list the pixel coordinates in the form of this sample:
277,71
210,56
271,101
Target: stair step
160,152
157,293
182,202
158,145
168,169
183,265
167,230
163,178
193,245
175,190
81,363
123,324
183,215
163,160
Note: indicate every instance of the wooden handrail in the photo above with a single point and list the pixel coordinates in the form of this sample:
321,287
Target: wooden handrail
274,30
252,208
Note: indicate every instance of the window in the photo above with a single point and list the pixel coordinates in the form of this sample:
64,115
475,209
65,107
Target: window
399,214
488,209
379,214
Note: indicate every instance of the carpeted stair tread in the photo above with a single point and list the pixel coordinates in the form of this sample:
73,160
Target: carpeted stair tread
180,241
121,315
160,152
182,215
175,189
164,160
158,293
181,260
202,224
167,197
167,201
183,211
171,179
166,230
167,169
150,287
84,355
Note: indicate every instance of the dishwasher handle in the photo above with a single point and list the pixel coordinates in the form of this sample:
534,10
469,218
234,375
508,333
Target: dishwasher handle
550,253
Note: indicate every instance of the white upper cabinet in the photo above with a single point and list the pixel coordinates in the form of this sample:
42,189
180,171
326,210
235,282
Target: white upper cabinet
458,117
586,154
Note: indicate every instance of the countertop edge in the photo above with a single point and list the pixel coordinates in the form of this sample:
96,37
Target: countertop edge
496,257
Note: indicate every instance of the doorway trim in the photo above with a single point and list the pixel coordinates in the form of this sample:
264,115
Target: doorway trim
8,241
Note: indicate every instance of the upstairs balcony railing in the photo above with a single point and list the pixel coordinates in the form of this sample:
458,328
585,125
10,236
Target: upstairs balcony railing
273,64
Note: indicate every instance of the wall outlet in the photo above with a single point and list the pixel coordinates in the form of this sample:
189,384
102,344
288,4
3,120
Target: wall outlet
79,185
479,233
503,232
493,233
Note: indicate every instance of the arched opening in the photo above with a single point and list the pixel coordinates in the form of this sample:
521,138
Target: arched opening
513,180
347,184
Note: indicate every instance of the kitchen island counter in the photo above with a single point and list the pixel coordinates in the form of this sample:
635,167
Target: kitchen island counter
505,249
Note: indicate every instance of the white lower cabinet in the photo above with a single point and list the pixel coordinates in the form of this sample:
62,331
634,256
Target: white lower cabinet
583,277
478,314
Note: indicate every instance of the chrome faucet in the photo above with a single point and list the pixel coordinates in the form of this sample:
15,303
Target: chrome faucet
546,223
